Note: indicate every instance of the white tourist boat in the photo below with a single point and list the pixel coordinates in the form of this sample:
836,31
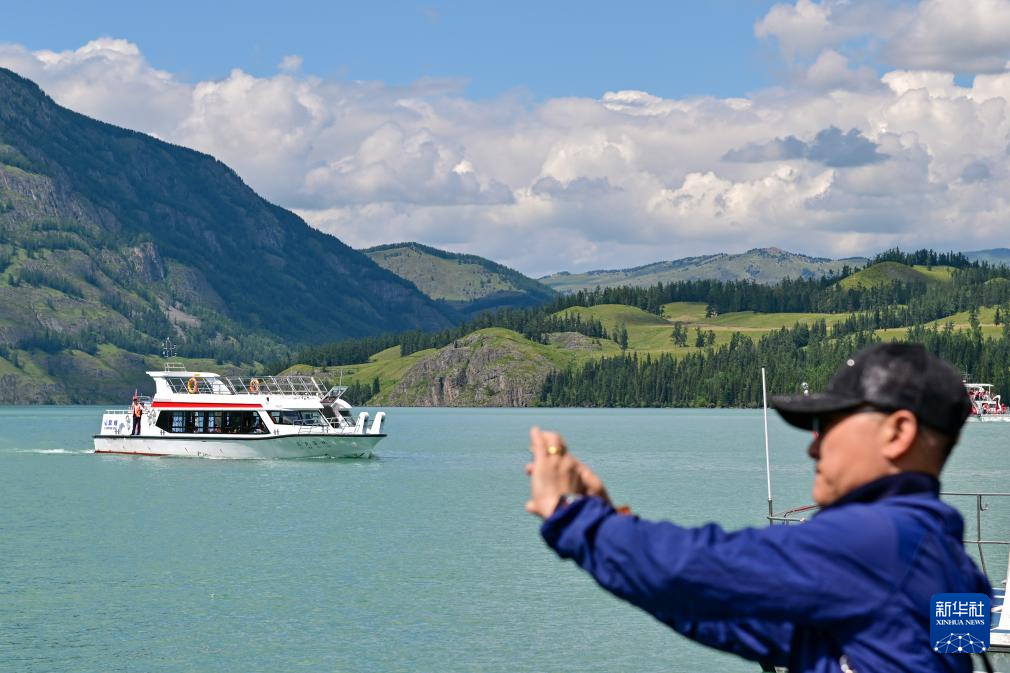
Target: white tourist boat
205,415
986,407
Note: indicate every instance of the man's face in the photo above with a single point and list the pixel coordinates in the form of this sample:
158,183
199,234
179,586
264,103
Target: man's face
847,448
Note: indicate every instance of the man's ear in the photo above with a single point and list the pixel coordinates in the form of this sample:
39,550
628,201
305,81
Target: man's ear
899,431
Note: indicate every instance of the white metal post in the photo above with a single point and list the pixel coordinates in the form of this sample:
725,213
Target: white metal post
768,465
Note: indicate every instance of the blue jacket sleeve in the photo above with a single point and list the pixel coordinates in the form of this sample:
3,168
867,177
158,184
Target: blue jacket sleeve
752,639
832,568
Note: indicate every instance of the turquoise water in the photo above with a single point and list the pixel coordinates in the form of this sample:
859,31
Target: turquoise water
420,560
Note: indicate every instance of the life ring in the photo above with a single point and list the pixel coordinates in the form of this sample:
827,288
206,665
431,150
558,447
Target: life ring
254,386
192,385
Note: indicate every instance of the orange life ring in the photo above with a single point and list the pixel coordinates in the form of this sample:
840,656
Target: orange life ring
254,386
192,385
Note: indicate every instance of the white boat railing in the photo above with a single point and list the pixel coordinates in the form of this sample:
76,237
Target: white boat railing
337,424
289,386
295,385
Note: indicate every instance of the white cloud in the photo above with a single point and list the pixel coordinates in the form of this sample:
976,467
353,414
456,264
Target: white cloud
831,71
971,36
393,165
290,63
803,28
954,35
839,161
106,78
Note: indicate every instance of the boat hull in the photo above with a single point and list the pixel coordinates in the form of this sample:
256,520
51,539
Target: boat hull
993,418
285,446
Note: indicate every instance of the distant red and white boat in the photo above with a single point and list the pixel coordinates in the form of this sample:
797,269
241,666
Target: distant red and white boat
985,406
205,415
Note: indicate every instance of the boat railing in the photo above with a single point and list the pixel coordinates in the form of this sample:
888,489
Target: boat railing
980,506
338,424
294,385
330,426
801,514
334,393
289,386
194,385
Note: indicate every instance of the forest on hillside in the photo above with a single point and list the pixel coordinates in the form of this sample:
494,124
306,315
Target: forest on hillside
729,374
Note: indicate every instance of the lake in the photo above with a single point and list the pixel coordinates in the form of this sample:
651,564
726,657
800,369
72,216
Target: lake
420,560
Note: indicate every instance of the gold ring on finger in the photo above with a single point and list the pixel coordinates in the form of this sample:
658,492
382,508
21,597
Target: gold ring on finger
554,450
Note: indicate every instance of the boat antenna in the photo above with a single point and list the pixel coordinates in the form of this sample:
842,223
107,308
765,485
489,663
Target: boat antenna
768,465
167,348
168,351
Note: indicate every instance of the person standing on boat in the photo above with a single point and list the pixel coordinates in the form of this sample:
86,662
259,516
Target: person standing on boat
847,591
136,411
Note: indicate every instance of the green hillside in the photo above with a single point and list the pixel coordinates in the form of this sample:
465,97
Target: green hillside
467,282
491,366
112,238
886,273
648,335
697,343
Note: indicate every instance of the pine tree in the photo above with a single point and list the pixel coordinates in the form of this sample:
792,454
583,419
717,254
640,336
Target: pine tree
679,334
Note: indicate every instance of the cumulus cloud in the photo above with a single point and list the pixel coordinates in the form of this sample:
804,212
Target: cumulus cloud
831,70
954,35
107,78
830,147
970,36
578,189
805,27
837,161
392,165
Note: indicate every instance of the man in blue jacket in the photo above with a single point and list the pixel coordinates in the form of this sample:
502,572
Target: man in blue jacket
847,591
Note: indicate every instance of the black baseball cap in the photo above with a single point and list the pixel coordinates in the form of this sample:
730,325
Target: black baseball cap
888,377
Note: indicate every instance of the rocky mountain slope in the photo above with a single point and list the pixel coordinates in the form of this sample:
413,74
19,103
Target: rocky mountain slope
111,240
762,265
468,283
488,368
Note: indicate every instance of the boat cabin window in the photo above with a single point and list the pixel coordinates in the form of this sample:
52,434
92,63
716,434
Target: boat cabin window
227,422
297,417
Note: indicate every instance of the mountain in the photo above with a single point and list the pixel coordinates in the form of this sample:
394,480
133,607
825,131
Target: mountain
468,283
993,256
762,265
111,240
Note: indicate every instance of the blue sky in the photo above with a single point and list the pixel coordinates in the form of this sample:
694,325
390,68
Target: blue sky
549,48
562,135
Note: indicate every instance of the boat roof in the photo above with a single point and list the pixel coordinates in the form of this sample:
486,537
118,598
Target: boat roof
184,381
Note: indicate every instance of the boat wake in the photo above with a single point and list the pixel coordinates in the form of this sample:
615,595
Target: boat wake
74,452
